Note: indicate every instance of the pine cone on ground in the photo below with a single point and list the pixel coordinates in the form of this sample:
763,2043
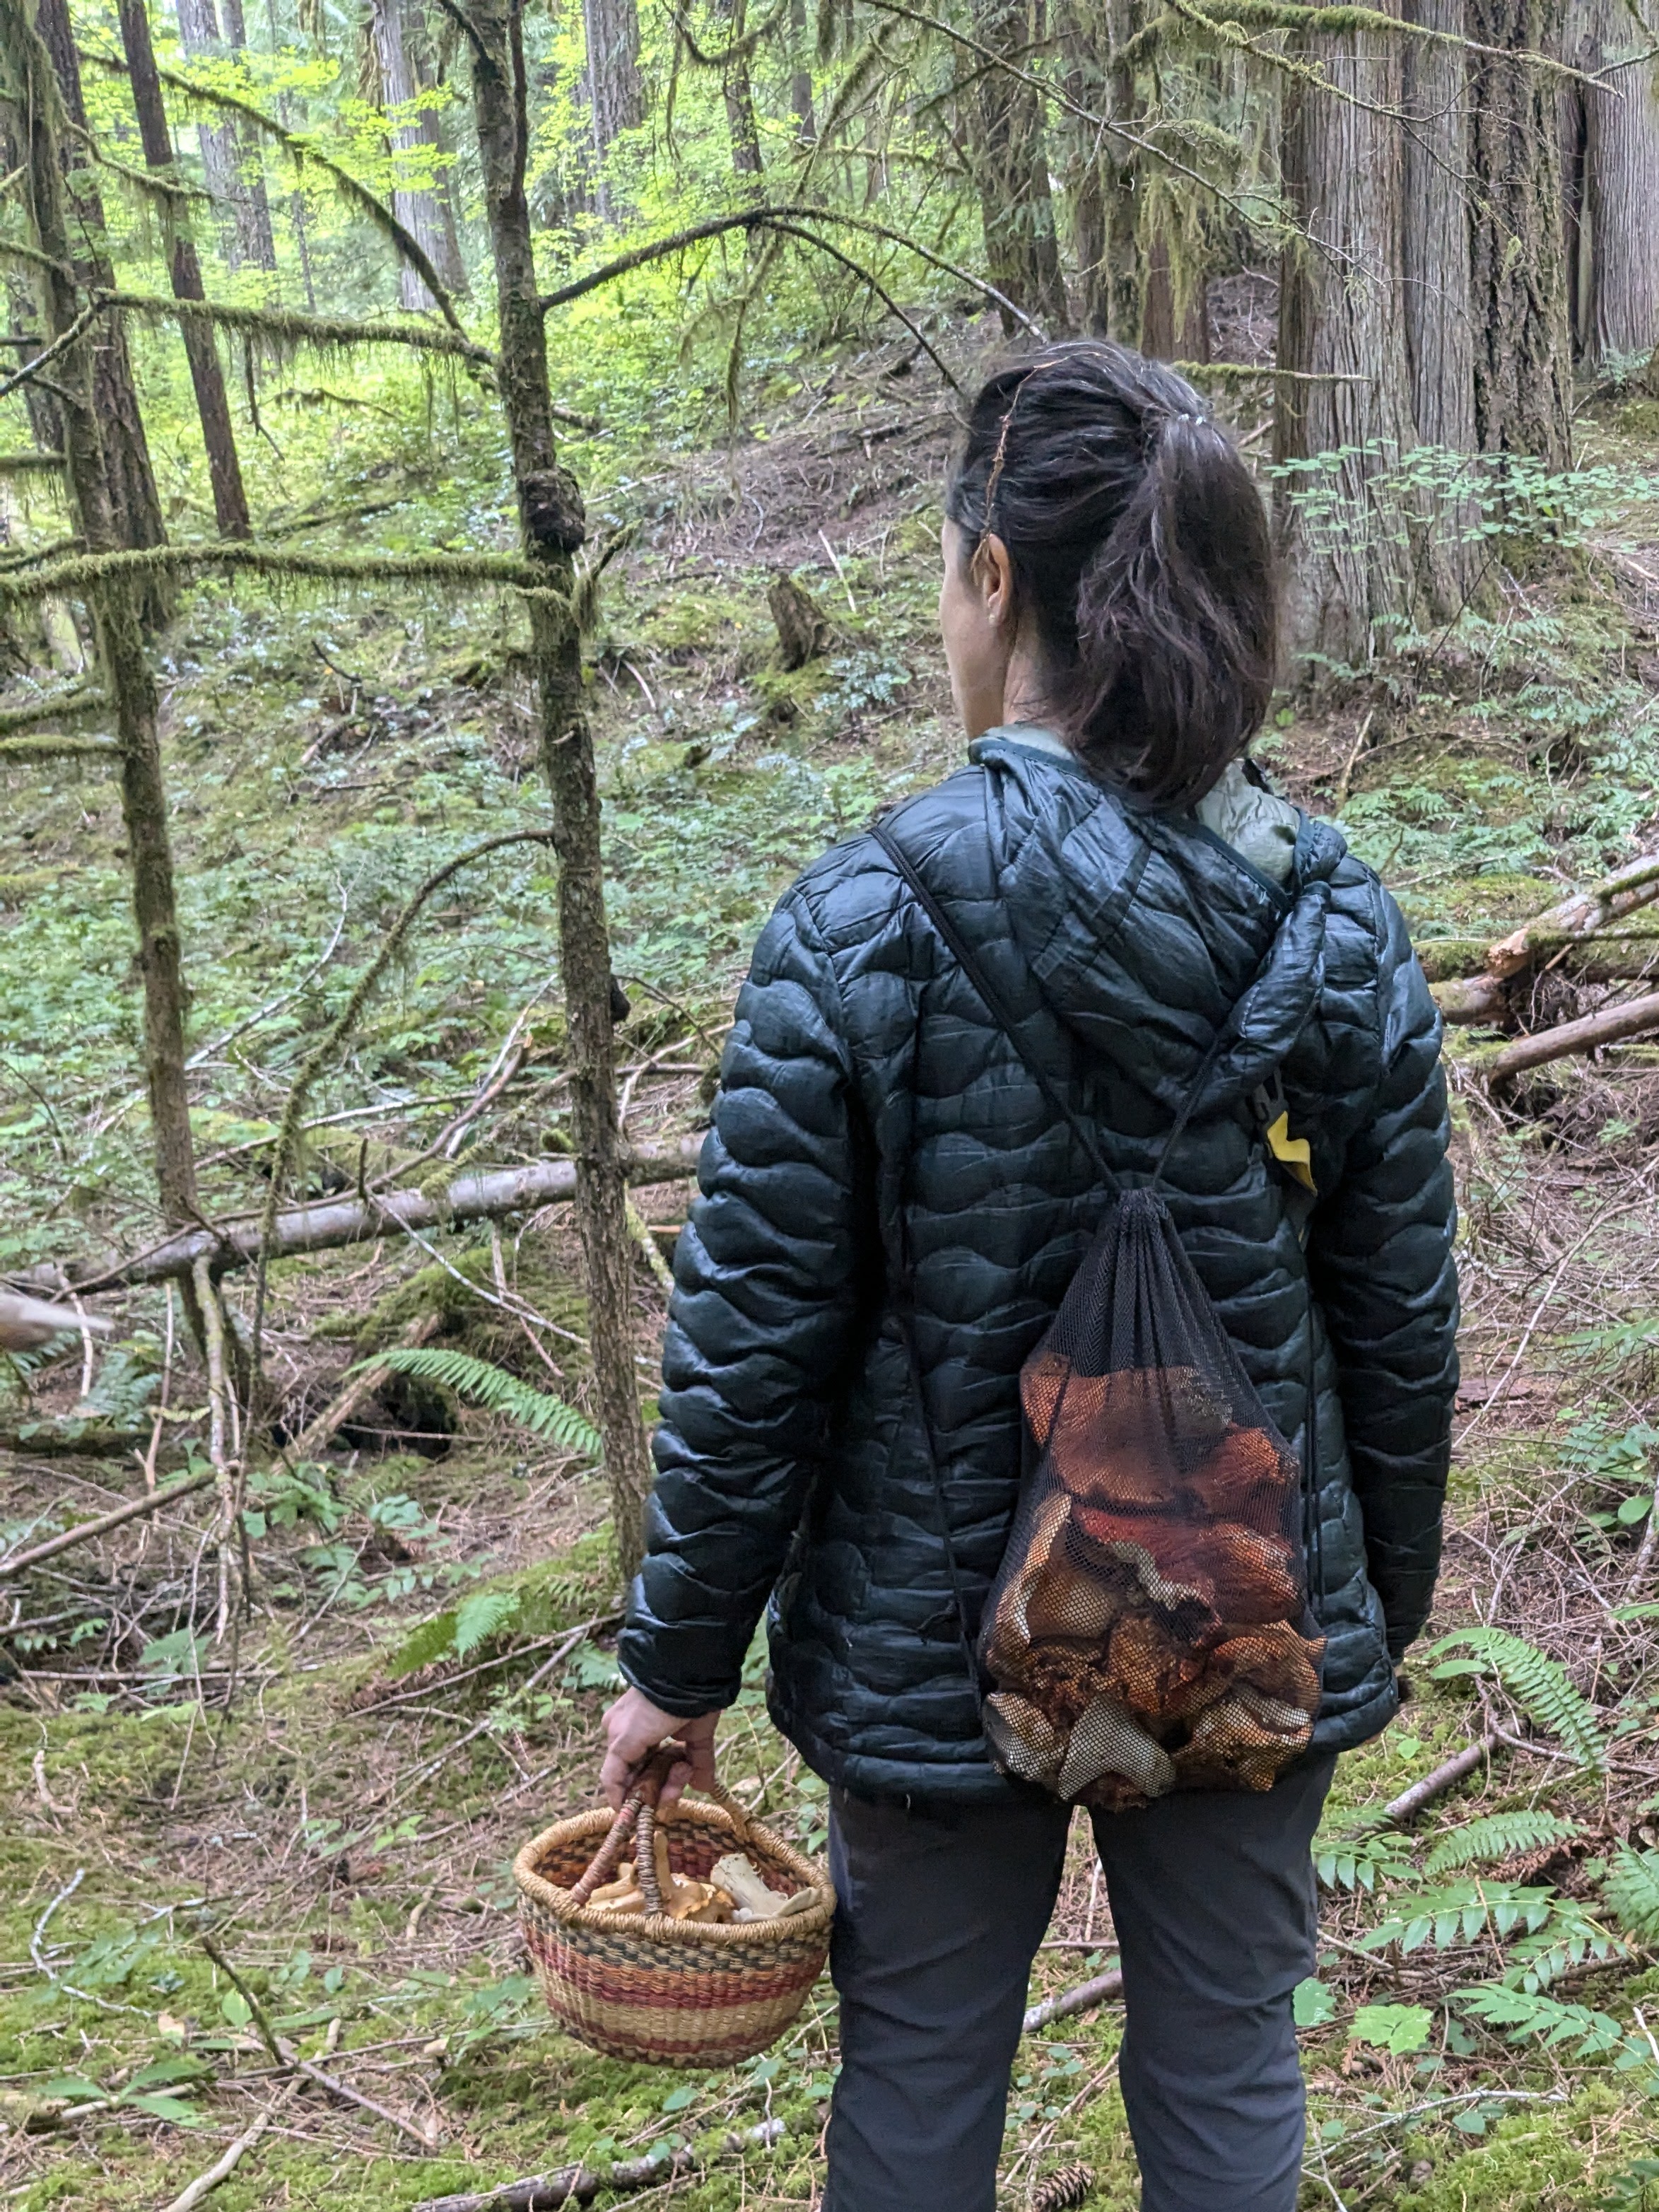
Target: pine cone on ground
1071,2185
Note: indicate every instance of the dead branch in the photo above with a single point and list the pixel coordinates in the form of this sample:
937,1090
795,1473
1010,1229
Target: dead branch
228,2160
1436,1785
290,2061
487,1196
1611,1024
136,1508
30,463
1084,1998
581,2185
1575,918
316,1434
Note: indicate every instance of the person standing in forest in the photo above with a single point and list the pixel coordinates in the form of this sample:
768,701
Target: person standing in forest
1106,912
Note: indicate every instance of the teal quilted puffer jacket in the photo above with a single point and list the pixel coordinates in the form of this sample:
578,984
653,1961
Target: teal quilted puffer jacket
865,1075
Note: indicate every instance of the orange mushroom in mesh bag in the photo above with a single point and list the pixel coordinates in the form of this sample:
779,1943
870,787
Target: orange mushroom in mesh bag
1023,1739
1155,1673
1118,1438
1243,1740
1068,1601
1235,1572
1063,1678
1011,1631
1276,1663
1243,1477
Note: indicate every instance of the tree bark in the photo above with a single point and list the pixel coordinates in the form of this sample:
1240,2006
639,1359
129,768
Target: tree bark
1174,321
616,90
134,503
737,92
1011,160
800,77
1522,344
112,605
417,209
1341,316
230,165
229,498
1620,187
1435,236
553,526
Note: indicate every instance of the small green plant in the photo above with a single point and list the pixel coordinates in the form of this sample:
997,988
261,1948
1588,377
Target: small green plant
147,2092
1497,1836
1396,2028
482,1383
1540,1686
1361,1862
1632,1891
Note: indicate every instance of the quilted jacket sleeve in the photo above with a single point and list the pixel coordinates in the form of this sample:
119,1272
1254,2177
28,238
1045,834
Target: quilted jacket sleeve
760,1327
1380,1251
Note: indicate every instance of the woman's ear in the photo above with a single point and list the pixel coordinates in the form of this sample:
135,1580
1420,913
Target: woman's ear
993,576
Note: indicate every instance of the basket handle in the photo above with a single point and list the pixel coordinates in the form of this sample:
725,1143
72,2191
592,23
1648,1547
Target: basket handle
637,1816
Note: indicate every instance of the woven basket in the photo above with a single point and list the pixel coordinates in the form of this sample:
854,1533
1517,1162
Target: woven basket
641,1985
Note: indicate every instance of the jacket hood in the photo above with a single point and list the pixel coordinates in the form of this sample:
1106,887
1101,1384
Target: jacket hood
1155,940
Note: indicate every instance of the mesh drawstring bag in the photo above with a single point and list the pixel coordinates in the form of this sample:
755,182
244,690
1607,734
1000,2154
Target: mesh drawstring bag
1149,1628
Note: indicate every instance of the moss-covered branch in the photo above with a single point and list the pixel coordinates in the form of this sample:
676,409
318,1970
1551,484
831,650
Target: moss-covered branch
25,464
46,747
772,217
1234,15
73,577
78,699
279,327
299,150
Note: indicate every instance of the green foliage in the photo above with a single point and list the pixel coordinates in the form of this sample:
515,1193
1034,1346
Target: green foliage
1632,1891
484,1384
1539,1684
1313,2005
1460,1912
1396,2028
1361,1863
1528,2015
542,1601
1497,1836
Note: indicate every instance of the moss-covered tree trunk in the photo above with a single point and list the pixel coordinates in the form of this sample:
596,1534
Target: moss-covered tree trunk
218,434
1342,324
1522,343
551,519
116,624
1010,157
134,503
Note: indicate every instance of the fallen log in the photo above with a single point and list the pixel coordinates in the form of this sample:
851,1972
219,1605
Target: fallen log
485,1196
362,1385
1610,1026
84,1531
1598,960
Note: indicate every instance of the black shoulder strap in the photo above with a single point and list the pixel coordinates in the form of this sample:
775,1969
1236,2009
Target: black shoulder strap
995,1004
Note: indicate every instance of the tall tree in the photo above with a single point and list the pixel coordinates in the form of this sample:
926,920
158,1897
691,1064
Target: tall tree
553,526
1010,164
1439,331
416,208
1518,292
134,503
738,91
800,77
224,469
231,166
1342,325
1618,196
113,604
616,89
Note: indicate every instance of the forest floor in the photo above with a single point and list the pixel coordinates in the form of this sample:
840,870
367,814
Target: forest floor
419,1686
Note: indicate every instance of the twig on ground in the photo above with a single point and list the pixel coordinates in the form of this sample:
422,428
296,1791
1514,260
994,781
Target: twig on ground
228,2160
581,2185
136,1508
316,1434
291,2061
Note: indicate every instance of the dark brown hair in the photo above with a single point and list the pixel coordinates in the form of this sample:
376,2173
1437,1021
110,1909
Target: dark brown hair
1140,553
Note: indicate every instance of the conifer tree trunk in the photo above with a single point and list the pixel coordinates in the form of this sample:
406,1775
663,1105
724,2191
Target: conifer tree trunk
1439,338
224,469
1620,207
1522,343
134,503
249,242
1341,317
551,520
1010,160
114,609
616,90
800,77
417,211
737,92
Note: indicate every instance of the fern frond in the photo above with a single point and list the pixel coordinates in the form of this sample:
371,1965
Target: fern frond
1540,1686
1497,1836
1571,1937
482,1383
1631,1890
1357,1863
1459,1913
482,1616
1525,2015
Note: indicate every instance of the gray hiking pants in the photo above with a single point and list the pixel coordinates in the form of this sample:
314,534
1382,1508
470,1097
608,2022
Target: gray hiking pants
941,1912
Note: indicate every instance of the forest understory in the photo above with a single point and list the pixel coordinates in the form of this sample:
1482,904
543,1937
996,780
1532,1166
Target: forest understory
329,1783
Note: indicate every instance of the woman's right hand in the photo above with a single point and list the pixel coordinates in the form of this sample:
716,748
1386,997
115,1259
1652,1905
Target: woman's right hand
633,1727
